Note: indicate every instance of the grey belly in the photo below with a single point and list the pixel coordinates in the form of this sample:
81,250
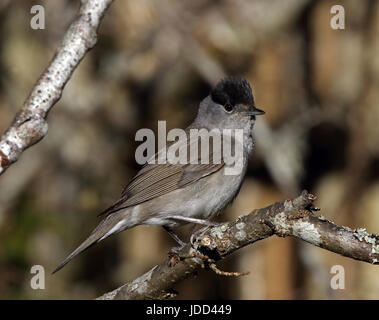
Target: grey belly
202,199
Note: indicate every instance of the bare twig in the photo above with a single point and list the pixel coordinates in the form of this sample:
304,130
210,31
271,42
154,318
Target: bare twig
216,270
288,218
29,125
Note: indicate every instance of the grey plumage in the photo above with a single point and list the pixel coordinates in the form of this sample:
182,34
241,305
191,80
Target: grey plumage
170,195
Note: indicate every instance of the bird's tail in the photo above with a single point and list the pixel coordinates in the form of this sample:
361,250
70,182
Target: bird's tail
107,227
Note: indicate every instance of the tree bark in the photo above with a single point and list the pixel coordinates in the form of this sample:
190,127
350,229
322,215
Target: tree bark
30,125
289,218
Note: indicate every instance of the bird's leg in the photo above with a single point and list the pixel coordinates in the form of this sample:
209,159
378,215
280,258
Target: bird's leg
200,232
194,220
206,223
175,237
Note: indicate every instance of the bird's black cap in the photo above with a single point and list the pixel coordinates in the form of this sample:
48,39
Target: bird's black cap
233,90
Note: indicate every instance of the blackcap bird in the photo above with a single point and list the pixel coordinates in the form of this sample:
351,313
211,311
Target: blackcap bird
171,195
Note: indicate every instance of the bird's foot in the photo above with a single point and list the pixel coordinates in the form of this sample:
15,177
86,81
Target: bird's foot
173,255
176,250
201,231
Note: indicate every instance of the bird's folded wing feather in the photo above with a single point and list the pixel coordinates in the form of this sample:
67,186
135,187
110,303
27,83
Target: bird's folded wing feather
155,180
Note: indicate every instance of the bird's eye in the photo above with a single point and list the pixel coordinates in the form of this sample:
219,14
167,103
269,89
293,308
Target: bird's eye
228,107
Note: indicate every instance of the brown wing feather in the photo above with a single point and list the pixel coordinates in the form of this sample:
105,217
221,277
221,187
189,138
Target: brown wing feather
155,180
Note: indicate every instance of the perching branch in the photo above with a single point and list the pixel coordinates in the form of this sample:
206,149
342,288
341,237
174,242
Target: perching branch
288,218
29,125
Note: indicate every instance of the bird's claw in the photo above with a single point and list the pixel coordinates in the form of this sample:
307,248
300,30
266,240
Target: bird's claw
173,255
200,232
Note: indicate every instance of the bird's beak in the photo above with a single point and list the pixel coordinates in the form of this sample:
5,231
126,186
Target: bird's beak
255,112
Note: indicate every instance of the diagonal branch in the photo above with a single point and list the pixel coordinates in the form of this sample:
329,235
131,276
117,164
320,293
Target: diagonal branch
288,218
29,125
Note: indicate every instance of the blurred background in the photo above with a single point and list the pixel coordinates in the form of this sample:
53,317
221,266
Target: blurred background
156,61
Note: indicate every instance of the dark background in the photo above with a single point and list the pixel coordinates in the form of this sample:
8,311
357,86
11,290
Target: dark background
156,61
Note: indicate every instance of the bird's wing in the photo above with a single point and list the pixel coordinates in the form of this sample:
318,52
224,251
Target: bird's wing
151,181
155,180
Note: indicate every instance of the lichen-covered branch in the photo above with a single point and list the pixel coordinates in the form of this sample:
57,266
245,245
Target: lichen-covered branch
288,218
29,125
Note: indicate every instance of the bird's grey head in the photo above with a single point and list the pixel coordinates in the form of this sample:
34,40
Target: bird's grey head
230,105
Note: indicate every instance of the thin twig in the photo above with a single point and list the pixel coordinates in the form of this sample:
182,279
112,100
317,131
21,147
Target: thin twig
30,125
